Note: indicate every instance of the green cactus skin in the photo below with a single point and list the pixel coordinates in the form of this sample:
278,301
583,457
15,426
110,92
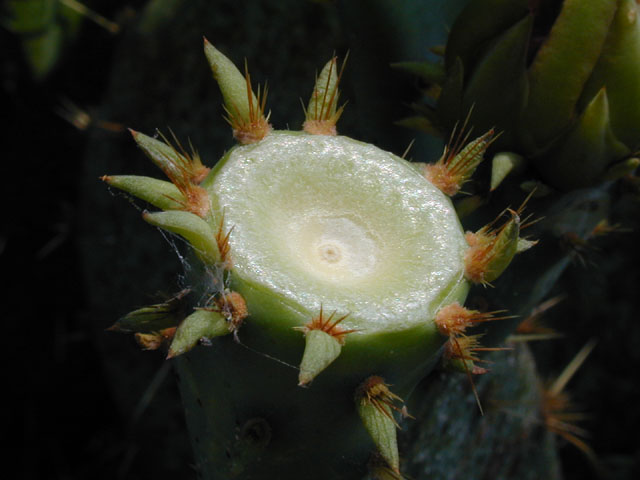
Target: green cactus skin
393,341
467,445
431,455
571,51
567,103
247,414
291,224
618,70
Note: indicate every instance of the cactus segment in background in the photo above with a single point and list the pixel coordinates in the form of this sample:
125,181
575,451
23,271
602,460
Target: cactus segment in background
558,78
287,227
46,28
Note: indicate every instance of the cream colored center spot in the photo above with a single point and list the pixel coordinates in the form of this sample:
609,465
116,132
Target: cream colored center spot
330,253
333,248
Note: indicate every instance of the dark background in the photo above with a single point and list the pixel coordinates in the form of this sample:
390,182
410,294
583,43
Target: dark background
84,402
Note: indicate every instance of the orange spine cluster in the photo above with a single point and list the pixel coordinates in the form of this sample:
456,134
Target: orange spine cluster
325,115
257,126
234,308
328,325
375,391
457,163
186,172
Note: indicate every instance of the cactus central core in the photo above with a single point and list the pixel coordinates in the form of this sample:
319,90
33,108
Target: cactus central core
330,253
325,220
333,248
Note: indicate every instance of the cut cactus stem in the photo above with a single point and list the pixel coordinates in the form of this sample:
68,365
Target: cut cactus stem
296,223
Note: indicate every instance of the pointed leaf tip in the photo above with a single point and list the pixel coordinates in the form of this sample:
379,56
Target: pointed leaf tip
153,318
491,250
192,228
245,110
185,170
321,349
158,193
375,404
324,337
504,164
200,324
457,163
323,112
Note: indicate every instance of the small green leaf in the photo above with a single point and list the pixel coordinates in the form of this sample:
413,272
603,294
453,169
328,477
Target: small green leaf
324,99
505,247
491,250
320,350
382,430
503,164
154,317
466,161
524,244
232,83
158,193
200,324
164,156
192,228
467,205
